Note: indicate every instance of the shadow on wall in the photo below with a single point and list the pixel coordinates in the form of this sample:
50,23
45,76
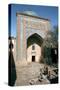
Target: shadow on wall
11,67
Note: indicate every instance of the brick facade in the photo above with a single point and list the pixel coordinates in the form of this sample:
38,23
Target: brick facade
26,27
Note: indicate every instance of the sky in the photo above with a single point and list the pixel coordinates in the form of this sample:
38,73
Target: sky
49,12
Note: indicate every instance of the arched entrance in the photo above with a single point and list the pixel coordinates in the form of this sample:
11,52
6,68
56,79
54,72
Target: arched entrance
34,43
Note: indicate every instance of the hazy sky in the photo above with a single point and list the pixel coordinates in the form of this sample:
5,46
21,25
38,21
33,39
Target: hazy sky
48,12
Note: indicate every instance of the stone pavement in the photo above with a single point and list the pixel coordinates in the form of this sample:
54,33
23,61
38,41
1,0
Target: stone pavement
29,75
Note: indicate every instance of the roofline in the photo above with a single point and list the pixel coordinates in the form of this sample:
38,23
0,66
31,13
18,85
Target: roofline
18,13
11,37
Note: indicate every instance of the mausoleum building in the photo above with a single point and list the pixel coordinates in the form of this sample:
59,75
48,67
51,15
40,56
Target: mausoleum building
31,31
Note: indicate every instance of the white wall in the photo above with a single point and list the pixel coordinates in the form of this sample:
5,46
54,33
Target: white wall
36,53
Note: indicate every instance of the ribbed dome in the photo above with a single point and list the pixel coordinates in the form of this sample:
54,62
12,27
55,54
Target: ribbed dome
30,13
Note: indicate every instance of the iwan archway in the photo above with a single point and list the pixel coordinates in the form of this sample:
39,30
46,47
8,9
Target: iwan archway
31,31
34,43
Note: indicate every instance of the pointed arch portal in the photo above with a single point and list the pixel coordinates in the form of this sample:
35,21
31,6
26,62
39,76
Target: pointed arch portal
34,43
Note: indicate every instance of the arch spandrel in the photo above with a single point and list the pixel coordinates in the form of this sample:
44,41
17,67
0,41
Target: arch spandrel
31,32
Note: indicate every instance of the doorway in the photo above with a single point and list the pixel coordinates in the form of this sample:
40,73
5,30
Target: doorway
33,58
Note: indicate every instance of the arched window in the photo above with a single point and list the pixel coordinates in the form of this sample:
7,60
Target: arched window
33,47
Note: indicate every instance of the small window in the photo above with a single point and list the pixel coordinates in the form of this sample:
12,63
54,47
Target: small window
33,47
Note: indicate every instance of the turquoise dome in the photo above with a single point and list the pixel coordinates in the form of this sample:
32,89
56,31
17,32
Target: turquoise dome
30,13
